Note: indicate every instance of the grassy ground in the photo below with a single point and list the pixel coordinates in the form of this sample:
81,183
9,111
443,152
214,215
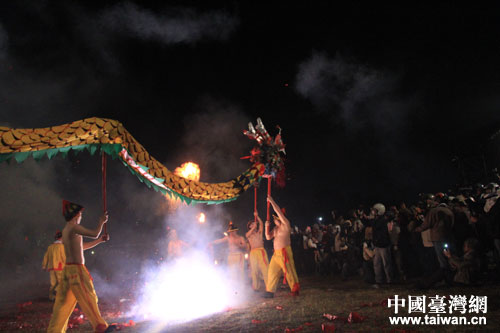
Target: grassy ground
319,295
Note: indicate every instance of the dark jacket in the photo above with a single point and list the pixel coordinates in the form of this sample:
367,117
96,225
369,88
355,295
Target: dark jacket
494,220
380,232
467,267
440,220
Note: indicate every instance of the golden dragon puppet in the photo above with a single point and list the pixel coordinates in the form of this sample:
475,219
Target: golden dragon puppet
111,137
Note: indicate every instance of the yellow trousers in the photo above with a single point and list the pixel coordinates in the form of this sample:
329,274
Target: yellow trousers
76,286
258,266
282,261
55,281
236,265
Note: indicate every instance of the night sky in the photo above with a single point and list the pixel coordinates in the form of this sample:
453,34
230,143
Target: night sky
376,102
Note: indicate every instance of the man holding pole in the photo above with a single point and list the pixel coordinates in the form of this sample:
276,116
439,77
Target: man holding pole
76,285
282,259
237,246
258,255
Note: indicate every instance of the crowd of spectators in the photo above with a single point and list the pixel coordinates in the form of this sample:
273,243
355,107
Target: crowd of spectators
451,238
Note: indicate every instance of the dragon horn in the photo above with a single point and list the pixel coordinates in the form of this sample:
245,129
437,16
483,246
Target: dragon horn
260,125
251,129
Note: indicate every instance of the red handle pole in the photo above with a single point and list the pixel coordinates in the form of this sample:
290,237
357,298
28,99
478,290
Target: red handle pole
255,203
268,193
104,208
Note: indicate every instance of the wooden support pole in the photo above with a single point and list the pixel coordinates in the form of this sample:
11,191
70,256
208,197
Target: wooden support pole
255,203
104,206
268,193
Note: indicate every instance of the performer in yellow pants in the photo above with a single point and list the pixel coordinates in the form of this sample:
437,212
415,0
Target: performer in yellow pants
236,265
76,286
55,281
258,267
258,255
236,258
282,260
53,262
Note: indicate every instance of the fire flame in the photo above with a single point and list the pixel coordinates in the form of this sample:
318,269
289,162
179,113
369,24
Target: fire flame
201,218
188,170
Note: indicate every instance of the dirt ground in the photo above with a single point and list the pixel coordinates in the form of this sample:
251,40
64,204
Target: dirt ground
284,313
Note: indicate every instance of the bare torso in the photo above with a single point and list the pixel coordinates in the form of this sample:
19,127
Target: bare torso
236,244
255,240
281,236
73,245
175,248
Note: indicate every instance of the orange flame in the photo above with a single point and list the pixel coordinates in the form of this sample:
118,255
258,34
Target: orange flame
188,170
201,218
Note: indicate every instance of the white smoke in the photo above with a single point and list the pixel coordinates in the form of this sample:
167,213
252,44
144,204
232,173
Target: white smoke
354,94
192,286
175,26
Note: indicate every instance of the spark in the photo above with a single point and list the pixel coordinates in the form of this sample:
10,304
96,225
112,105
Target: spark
187,289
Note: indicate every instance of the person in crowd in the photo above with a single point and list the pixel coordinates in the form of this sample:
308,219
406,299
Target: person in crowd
466,268
394,232
461,229
368,255
404,241
297,244
310,251
382,260
53,262
439,220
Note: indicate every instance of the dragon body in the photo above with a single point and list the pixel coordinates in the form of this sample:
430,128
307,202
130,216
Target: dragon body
110,136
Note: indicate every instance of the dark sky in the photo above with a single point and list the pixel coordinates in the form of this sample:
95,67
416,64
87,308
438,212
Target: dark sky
374,101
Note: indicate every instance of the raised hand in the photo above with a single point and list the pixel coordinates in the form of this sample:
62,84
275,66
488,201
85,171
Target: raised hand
104,218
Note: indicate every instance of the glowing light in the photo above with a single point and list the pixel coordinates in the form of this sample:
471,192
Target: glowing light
201,218
189,288
225,233
215,262
320,218
246,256
188,170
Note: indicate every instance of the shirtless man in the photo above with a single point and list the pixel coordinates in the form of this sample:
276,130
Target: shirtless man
258,255
282,259
237,246
175,246
76,285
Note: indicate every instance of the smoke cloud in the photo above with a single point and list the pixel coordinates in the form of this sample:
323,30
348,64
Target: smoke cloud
174,26
30,206
369,115
214,139
355,95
